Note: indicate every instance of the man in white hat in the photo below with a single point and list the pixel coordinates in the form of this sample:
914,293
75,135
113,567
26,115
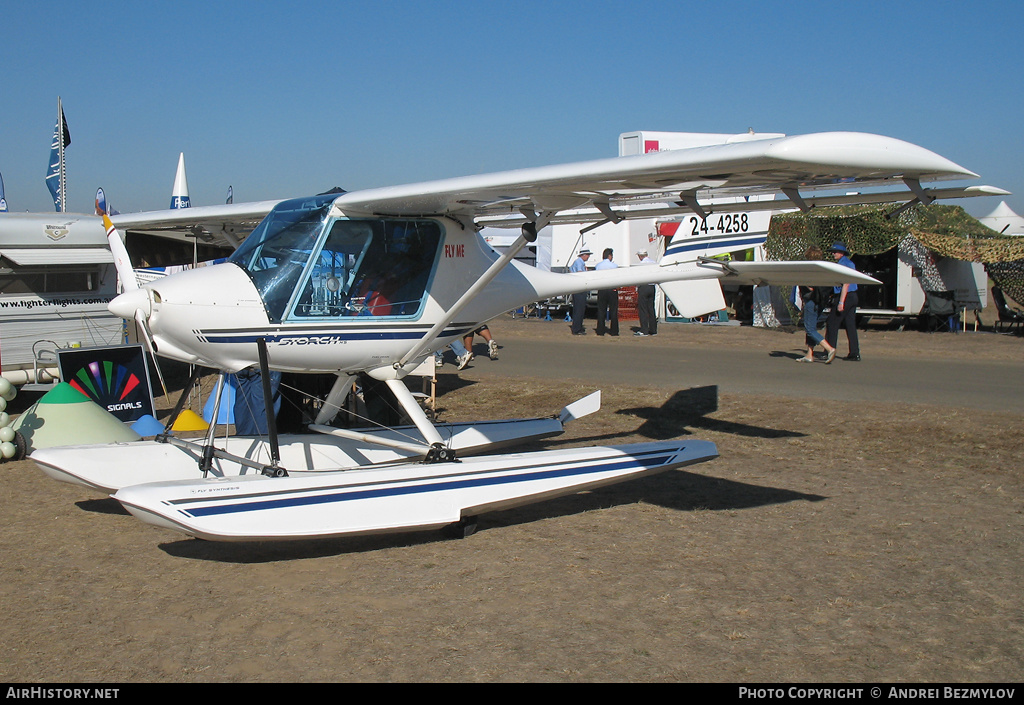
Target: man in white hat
645,301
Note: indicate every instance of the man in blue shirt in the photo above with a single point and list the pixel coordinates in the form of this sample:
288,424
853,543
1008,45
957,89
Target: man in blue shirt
844,307
579,301
607,299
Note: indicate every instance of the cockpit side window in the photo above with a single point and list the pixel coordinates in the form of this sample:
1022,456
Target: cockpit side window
370,268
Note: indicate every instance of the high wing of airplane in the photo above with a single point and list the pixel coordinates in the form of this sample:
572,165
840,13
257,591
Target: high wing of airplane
312,278
372,281
674,181
222,225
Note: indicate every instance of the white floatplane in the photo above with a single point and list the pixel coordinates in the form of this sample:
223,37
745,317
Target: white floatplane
373,281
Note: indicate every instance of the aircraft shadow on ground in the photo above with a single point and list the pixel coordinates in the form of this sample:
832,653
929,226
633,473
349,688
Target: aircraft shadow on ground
682,414
688,408
246,552
679,490
107,505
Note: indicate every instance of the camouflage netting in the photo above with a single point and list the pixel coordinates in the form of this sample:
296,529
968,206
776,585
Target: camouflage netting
946,230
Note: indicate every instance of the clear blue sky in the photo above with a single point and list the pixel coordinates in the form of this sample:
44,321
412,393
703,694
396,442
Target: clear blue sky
285,99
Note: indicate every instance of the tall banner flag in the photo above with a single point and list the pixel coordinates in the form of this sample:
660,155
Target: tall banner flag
55,177
3,201
179,194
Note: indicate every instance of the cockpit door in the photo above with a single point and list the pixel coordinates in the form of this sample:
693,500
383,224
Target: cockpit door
378,268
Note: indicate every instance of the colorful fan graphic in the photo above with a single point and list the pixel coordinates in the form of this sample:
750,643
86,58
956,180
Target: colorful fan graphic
114,377
105,382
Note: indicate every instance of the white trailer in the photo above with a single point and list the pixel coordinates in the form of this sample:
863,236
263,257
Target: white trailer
56,278
905,272
910,269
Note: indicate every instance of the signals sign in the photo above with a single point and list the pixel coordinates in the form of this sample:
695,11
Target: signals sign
114,377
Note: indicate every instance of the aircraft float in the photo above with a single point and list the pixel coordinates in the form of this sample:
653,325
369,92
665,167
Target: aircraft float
373,281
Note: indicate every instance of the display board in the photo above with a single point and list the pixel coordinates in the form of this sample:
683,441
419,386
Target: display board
115,377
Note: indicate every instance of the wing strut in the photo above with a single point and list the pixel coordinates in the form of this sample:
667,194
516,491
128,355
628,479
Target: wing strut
528,235
610,216
433,451
689,199
921,195
794,195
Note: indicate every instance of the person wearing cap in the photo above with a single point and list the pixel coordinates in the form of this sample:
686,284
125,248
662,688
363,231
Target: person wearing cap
844,307
645,301
579,301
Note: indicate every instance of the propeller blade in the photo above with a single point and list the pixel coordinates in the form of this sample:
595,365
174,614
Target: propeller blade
147,337
122,262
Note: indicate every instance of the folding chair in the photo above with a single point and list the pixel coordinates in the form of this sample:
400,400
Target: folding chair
1008,317
938,312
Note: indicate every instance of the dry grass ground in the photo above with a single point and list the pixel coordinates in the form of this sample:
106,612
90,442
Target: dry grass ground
886,548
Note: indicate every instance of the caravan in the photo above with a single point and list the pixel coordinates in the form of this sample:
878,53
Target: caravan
56,279
57,273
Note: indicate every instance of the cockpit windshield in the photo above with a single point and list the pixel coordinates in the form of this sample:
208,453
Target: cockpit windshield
276,252
305,268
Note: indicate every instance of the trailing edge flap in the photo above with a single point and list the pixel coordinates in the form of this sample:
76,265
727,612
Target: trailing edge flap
695,297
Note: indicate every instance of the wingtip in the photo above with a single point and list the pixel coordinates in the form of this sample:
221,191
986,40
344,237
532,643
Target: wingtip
862,149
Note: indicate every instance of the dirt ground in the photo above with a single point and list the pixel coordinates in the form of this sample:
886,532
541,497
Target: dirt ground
886,548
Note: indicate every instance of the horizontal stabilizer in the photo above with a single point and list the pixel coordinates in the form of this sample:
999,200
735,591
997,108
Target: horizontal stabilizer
581,407
806,273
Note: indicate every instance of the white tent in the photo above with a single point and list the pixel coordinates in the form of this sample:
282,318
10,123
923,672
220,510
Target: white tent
1003,220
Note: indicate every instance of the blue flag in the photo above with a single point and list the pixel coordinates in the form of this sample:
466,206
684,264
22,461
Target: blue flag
54,174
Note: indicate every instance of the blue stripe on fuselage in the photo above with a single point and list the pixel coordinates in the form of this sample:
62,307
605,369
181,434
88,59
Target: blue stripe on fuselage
704,244
337,335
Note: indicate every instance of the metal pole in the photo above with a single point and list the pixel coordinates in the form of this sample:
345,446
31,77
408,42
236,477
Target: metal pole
61,180
268,402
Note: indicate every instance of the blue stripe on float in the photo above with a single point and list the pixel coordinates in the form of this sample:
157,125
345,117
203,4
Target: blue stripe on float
422,488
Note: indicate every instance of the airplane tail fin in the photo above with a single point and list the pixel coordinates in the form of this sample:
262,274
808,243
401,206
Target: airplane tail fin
687,245
3,201
179,194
